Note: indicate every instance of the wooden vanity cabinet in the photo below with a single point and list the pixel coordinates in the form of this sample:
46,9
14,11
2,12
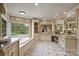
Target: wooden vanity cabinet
71,45
12,50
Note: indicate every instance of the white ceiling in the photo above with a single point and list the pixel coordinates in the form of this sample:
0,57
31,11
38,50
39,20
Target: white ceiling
43,10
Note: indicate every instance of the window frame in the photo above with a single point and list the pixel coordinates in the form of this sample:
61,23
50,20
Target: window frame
20,35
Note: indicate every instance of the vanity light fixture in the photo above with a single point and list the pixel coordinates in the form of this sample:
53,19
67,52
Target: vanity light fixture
36,4
22,12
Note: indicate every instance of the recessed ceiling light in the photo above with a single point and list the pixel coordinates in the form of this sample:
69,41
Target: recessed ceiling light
36,4
64,12
22,12
40,16
56,14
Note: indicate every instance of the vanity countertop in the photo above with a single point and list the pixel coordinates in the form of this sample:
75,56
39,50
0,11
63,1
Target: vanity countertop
12,41
71,36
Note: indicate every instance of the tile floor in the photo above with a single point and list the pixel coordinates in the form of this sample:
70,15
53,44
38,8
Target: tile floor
48,49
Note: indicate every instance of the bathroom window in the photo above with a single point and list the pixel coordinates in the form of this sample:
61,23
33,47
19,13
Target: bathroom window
20,29
2,27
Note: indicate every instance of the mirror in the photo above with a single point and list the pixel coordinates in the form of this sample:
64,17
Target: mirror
46,28
35,27
70,25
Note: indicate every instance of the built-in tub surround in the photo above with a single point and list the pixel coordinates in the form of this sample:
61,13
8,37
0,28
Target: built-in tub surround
22,40
26,47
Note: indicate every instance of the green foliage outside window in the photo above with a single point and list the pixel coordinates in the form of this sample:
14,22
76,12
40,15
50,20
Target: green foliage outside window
2,27
19,29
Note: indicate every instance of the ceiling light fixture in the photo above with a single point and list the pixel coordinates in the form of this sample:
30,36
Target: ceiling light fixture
36,4
40,16
22,12
64,12
56,14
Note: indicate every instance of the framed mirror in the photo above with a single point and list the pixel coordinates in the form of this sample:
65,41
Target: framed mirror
71,25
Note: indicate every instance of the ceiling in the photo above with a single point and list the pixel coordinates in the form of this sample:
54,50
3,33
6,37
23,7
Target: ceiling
43,10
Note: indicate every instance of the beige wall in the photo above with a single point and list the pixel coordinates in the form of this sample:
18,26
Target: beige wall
77,31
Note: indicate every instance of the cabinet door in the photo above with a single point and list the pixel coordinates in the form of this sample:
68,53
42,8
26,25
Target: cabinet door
9,51
6,52
16,46
71,45
12,50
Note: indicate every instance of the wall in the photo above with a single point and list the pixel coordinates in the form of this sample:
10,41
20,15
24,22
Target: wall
77,31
